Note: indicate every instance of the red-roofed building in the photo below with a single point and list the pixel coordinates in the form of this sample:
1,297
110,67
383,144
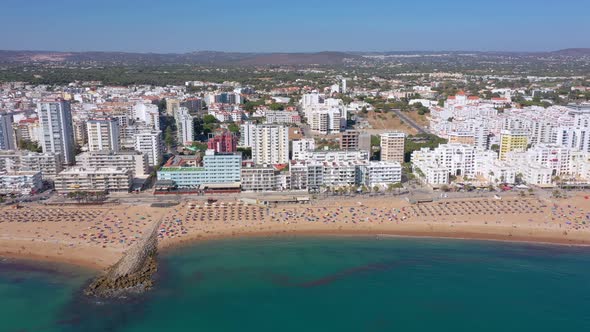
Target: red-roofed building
225,142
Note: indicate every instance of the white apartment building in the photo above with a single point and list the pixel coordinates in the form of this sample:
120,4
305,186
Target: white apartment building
20,182
103,134
302,148
148,114
150,143
184,126
270,144
436,166
540,164
280,117
94,179
489,167
325,121
572,137
49,164
339,156
380,173
259,178
392,146
57,137
311,99
135,161
314,175
247,134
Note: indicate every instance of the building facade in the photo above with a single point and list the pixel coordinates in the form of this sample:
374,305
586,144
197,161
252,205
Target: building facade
94,180
55,118
103,134
392,146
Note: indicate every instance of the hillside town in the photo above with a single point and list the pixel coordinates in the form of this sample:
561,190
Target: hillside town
352,135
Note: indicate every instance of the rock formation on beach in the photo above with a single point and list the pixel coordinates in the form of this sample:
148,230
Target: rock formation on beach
133,272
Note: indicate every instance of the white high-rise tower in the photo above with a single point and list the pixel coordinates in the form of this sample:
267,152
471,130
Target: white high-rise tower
57,133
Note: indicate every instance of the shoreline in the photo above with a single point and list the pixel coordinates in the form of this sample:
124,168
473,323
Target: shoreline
458,236
33,258
96,238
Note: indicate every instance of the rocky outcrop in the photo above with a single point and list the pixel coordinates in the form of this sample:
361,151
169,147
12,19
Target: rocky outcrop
133,273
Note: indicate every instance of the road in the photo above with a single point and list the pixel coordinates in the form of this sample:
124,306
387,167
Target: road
410,122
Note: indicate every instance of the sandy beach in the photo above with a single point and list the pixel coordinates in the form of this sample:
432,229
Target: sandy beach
96,237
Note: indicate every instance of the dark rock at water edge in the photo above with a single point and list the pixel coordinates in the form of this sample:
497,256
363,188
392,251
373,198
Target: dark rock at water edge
134,271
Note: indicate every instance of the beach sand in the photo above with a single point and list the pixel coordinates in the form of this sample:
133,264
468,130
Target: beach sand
96,237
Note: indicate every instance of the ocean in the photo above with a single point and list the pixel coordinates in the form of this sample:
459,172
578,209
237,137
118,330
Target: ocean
320,284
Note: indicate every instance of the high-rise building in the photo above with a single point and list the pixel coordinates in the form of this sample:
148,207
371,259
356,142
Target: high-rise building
103,134
55,118
225,142
184,126
512,140
246,134
326,121
7,141
392,146
270,144
150,143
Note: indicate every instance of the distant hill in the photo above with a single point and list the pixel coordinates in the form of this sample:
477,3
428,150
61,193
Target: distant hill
203,57
255,59
576,52
321,58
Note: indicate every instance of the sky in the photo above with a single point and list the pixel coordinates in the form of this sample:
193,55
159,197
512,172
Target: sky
177,26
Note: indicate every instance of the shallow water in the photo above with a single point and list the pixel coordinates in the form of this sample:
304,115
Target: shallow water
322,284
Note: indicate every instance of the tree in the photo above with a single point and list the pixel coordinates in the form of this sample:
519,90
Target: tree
277,107
169,137
209,119
29,145
162,105
376,189
234,128
445,188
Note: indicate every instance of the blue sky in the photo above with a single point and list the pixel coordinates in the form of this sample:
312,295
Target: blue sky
293,26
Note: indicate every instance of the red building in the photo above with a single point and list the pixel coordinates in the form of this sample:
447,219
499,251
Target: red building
225,142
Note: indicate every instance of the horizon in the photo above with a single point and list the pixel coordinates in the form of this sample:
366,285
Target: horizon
264,26
299,52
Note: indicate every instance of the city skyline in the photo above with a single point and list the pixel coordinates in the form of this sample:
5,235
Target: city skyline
264,26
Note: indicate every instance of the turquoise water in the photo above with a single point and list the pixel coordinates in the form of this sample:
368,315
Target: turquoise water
322,284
